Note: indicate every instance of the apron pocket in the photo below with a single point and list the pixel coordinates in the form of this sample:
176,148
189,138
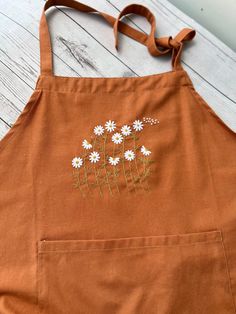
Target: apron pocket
185,273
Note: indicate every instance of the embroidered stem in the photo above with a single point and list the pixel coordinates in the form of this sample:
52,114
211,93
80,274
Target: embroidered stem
86,171
95,170
104,155
114,170
98,169
132,177
123,164
136,164
78,184
97,181
145,174
94,142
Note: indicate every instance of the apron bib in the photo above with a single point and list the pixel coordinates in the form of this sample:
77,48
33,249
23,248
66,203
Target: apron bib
118,194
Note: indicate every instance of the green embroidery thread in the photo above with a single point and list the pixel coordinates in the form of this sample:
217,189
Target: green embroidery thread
113,155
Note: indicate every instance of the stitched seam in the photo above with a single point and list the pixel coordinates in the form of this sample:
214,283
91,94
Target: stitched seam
206,234
211,111
20,119
213,186
89,92
41,304
196,97
228,273
37,276
192,91
129,247
154,75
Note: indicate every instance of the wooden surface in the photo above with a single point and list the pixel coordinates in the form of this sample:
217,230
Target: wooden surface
83,45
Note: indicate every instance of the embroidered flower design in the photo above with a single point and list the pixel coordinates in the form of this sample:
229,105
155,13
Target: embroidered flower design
114,161
77,162
137,125
94,157
150,121
98,130
126,130
129,155
117,138
86,144
145,151
110,126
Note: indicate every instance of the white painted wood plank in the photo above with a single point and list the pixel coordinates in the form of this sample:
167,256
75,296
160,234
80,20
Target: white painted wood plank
19,26
19,64
84,53
201,30
130,52
71,43
209,62
208,80
4,128
167,26
85,46
13,94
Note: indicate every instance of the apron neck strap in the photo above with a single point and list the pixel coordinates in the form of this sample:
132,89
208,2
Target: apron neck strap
156,46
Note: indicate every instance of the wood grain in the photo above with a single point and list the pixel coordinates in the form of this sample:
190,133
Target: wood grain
83,45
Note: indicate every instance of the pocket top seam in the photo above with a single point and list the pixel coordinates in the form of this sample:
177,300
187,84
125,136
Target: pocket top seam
128,243
127,248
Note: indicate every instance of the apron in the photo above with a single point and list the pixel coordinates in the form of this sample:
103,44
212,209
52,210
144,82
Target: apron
118,194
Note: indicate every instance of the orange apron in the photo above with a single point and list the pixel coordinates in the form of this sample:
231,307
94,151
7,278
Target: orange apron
118,194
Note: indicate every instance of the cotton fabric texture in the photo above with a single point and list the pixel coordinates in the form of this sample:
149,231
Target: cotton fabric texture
118,194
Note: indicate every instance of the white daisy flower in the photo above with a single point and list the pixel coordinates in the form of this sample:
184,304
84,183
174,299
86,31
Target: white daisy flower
94,157
126,130
110,126
86,144
138,125
129,155
117,138
145,151
77,162
114,160
98,130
